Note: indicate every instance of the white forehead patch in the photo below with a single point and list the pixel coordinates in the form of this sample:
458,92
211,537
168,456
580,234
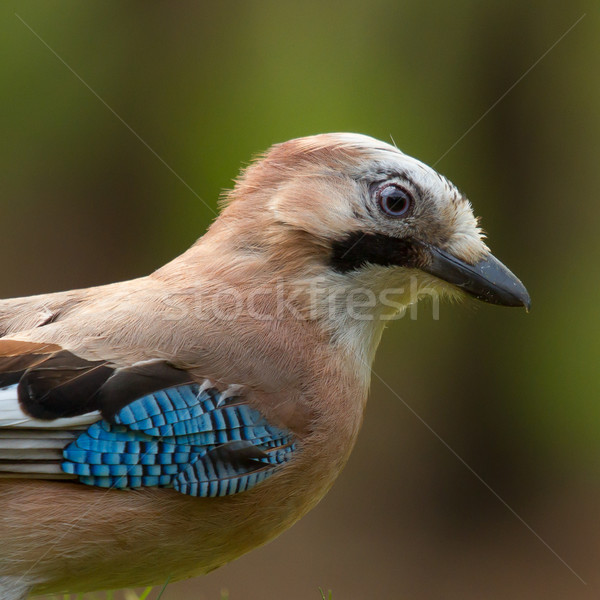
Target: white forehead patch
359,140
388,156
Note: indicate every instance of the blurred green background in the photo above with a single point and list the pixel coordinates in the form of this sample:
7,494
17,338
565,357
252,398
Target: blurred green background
118,118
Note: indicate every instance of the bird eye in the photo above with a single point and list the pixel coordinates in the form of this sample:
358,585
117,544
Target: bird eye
394,200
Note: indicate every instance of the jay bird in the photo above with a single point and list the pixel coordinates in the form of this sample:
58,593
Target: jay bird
161,427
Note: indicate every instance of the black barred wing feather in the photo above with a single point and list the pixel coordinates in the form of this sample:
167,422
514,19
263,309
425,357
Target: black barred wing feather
229,469
148,424
189,437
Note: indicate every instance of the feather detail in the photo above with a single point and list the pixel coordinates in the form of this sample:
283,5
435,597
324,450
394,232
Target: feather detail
186,437
53,384
33,453
13,416
16,357
63,385
147,425
32,447
142,378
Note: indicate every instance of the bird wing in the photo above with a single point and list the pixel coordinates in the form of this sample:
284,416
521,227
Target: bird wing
147,425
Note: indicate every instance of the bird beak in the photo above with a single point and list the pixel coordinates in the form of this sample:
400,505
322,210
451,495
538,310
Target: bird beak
488,280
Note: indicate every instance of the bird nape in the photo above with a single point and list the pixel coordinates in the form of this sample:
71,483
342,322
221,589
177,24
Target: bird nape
161,427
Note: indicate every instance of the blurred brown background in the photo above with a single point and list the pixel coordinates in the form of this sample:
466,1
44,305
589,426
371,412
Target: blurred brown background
87,198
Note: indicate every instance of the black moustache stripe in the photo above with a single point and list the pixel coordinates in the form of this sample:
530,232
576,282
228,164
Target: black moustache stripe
358,249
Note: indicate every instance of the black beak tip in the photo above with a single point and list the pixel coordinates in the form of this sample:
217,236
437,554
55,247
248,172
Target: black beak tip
518,297
503,287
487,280
526,301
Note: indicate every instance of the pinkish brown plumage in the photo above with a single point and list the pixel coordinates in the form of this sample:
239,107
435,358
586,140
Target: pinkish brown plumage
261,319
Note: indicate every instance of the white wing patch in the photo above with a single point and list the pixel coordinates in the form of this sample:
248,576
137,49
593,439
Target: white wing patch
33,447
11,415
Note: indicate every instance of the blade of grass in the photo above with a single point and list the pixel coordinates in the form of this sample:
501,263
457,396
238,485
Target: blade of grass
164,587
145,593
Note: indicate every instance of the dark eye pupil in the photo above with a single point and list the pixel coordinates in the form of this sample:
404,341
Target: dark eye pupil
394,201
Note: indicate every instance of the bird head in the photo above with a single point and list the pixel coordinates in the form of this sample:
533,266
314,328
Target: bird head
369,214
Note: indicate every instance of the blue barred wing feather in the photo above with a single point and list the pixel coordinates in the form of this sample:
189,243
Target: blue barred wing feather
188,437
